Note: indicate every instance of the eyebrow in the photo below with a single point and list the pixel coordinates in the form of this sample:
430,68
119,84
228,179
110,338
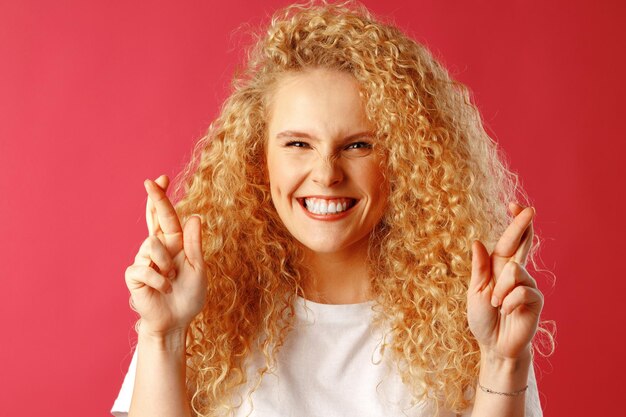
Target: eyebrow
304,135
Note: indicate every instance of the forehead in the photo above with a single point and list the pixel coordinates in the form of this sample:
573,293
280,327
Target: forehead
326,101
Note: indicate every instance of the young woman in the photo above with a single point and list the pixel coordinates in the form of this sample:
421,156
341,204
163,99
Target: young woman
346,242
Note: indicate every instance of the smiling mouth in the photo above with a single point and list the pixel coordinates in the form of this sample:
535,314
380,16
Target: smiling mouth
327,206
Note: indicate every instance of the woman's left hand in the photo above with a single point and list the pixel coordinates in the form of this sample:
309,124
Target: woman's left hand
503,302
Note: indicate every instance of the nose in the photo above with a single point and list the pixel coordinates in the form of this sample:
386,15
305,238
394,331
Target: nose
327,171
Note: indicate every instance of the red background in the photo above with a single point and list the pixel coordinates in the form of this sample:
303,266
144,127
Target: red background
96,96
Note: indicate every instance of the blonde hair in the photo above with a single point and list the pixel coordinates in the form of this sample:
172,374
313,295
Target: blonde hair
448,187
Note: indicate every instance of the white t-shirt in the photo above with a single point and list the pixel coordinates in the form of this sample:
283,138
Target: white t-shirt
329,366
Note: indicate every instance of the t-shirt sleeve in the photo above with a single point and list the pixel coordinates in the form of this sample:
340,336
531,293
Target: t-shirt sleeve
533,406
122,403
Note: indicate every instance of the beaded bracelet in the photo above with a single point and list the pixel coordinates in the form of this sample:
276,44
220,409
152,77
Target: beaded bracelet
508,394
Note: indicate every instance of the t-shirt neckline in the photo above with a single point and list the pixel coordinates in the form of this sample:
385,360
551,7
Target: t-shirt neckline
311,311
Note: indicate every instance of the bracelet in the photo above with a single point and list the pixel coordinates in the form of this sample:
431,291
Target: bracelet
508,394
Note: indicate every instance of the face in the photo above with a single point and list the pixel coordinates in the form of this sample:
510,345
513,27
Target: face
325,177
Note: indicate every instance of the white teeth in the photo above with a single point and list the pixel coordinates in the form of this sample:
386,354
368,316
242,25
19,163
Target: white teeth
323,206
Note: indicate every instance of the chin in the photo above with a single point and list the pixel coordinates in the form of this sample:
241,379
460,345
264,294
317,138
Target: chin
325,246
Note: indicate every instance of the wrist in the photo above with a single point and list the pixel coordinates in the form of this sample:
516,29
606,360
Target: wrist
171,341
493,360
504,374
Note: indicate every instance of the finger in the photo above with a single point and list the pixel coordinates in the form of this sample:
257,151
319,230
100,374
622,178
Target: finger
163,181
512,276
511,238
138,276
151,216
167,217
526,241
481,267
522,296
193,242
153,250
515,208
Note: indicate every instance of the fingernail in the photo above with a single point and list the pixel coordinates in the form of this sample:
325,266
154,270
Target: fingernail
494,301
502,311
172,273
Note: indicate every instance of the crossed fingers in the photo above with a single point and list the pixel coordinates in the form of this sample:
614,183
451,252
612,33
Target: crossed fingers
161,216
516,241
514,288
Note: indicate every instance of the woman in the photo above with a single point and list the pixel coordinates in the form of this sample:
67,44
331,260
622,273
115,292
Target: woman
346,247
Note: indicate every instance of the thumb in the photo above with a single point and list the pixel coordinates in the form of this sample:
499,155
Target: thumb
192,241
481,267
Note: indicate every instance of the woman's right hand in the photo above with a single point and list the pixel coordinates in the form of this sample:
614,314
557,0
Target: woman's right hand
169,295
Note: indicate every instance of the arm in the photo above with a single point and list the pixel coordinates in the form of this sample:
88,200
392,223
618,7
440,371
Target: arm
167,283
159,388
502,375
504,305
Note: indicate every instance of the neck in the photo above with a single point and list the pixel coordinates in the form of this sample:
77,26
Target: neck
338,277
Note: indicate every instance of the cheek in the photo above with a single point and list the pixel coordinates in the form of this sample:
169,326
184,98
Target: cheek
383,187
374,179
378,188
273,174
281,178
275,186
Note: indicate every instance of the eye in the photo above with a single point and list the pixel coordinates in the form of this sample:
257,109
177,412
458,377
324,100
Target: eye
359,145
357,149
296,144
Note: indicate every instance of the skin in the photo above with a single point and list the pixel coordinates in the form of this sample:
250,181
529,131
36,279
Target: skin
504,303
167,297
311,152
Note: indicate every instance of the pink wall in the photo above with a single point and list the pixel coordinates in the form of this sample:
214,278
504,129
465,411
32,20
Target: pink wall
96,96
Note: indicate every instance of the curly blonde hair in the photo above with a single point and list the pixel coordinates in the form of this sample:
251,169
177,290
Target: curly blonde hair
448,187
